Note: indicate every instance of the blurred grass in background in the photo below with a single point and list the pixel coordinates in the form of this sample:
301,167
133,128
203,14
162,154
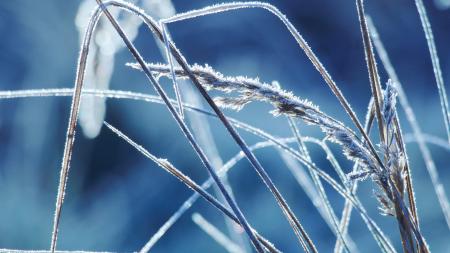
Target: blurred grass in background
117,199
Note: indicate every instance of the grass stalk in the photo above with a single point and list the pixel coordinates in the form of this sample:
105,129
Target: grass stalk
201,130
412,120
300,232
378,234
319,187
372,69
170,61
193,198
386,164
184,128
301,42
163,163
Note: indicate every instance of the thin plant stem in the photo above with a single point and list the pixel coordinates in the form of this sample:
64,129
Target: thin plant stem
163,163
300,232
372,68
184,128
156,99
174,80
300,158
346,213
373,228
376,92
70,134
301,42
323,197
412,120
191,200
378,100
201,130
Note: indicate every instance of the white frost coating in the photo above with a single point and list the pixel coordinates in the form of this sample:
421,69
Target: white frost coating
332,86
411,117
166,38
216,234
324,175
199,124
255,131
167,166
202,130
301,42
284,102
191,200
324,207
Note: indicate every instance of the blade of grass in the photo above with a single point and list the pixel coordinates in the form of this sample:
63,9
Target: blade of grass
372,68
184,128
378,100
191,200
156,99
201,130
321,173
303,45
412,120
350,247
388,181
347,211
118,94
300,232
336,91
70,134
163,163
174,80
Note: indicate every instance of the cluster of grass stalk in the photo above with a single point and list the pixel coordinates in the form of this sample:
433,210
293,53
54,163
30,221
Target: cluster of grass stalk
385,162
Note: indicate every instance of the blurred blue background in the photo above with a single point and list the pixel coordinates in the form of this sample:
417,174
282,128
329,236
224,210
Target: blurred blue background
117,199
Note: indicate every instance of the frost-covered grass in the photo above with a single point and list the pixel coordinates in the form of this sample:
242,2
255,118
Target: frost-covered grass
383,160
